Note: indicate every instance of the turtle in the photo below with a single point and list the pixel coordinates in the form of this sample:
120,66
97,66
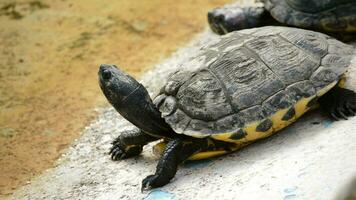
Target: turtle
335,17
239,88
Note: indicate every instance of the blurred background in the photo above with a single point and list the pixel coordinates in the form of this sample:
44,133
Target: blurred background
49,57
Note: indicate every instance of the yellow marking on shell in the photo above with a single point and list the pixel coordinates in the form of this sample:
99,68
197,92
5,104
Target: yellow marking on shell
251,134
225,137
250,129
207,154
278,123
326,89
301,106
342,81
197,135
214,153
349,28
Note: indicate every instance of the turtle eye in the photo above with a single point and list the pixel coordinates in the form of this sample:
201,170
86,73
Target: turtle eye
106,74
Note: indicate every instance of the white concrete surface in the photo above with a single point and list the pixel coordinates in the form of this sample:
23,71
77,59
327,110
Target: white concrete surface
315,158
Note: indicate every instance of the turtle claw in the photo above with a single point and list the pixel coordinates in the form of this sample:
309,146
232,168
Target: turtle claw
351,112
346,108
117,153
151,181
341,112
340,103
333,115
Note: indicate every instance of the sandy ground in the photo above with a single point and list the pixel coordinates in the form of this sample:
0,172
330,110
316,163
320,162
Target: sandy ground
49,56
313,158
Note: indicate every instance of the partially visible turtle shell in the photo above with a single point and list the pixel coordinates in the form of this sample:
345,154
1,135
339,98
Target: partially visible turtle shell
326,15
251,83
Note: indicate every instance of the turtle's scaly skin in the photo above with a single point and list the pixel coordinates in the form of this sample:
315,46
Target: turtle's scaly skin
251,83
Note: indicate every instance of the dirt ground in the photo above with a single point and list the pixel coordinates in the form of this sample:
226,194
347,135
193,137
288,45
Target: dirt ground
49,56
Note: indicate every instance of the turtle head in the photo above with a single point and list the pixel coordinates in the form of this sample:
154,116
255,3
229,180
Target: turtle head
229,18
131,99
116,84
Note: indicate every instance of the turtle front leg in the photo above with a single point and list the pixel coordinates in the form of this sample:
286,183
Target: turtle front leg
232,17
129,143
339,103
177,151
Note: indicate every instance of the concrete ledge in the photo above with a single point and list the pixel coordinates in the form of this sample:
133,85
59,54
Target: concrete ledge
312,159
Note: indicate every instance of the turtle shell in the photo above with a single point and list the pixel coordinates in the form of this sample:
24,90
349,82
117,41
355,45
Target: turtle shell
330,16
251,83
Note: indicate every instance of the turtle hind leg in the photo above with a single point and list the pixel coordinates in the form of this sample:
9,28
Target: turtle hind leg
339,103
129,143
230,18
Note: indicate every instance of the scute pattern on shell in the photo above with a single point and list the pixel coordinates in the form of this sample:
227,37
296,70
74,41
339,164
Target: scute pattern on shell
331,15
255,73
